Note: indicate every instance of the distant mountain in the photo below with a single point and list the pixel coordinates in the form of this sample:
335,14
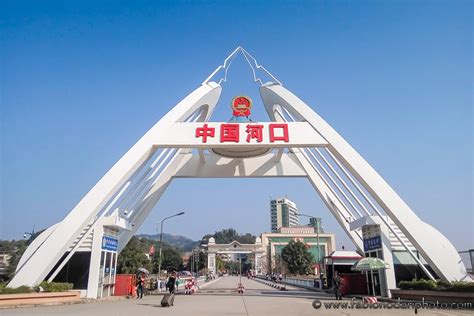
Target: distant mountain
177,241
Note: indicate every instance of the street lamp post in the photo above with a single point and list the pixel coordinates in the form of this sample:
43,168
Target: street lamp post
161,242
318,225
29,234
192,263
240,268
196,260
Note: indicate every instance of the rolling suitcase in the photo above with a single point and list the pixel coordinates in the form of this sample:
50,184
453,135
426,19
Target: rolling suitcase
167,300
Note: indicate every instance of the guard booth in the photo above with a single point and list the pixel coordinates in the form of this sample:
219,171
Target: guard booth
377,244
103,264
108,263
341,261
373,248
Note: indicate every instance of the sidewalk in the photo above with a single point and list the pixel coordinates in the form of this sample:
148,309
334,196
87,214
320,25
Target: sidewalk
81,301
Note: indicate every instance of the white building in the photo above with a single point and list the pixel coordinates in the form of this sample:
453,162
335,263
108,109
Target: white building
319,245
283,213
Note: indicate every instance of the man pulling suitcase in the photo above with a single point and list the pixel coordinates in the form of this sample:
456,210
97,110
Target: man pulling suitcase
168,298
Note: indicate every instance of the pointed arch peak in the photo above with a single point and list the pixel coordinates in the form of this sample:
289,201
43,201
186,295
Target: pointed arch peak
251,61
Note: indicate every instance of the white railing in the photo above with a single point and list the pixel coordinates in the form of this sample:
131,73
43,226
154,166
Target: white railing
303,282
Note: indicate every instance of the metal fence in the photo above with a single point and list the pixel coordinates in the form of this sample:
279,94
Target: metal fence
311,283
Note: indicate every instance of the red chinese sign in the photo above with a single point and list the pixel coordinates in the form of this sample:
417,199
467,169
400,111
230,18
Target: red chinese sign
230,133
254,132
205,132
283,131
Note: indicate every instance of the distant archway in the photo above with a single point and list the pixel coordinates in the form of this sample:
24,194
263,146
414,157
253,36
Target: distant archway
235,247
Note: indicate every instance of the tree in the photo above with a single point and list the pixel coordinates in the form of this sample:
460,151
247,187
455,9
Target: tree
246,238
232,266
225,236
279,265
220,264
171,261
16,248
297,257
17,251
133,257
228,235
201,260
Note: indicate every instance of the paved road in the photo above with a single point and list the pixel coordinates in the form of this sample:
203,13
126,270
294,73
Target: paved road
221,298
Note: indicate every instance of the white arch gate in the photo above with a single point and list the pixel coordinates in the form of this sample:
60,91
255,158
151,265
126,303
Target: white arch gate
235,247
296,142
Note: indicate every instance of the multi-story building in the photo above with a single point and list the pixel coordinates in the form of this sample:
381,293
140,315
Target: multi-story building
316,223
283,213
319,245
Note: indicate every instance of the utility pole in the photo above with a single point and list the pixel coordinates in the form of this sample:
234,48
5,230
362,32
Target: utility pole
240,275
196,260
197,263
192,263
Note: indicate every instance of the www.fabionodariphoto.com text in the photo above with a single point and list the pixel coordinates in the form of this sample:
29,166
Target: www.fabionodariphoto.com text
353,304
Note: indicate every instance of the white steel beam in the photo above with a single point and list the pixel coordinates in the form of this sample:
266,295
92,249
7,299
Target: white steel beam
52,249
435,248
334,203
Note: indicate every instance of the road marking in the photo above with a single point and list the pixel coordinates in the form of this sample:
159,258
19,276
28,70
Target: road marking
245,305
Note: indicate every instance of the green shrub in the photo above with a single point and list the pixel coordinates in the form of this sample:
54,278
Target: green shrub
440,284
426,285
17,290
55,286
430,285
47,287
459,286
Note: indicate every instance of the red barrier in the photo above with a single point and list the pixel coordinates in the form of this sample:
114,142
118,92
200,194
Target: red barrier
125,284
353,283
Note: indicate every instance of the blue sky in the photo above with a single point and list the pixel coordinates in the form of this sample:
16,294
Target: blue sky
81,82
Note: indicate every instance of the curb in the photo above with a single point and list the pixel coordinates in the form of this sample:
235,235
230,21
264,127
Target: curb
274,285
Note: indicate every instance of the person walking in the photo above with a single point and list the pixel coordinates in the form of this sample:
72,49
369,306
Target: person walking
168,299
140,285
337,286
171,284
